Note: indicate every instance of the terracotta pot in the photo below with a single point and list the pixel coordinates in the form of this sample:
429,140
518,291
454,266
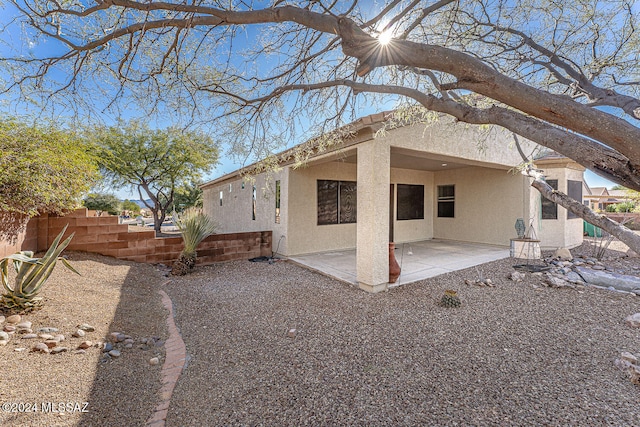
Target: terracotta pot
394,268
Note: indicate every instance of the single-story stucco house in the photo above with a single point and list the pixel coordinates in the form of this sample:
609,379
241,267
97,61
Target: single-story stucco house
443,180
599,198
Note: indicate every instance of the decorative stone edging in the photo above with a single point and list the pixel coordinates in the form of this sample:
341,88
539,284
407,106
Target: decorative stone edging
175,357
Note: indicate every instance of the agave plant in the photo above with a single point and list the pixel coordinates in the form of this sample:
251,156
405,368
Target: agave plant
31,275
194,226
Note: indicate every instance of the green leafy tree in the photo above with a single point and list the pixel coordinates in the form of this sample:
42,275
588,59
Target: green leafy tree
128,205
102,202
188,195
564,74
153,161
43,169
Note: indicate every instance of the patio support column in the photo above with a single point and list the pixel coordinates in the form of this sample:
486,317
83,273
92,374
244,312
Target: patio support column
372,246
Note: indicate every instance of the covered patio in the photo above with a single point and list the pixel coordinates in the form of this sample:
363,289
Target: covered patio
437,185
418,260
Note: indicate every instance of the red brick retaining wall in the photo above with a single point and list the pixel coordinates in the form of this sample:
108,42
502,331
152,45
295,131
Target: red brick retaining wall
103,235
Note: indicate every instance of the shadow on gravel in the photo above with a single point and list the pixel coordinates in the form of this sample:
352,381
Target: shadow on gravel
125,388
518,354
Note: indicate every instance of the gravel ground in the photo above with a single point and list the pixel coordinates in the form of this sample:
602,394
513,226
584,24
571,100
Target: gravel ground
110,295
511,355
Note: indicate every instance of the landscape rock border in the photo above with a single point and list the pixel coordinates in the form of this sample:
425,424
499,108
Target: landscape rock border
175,359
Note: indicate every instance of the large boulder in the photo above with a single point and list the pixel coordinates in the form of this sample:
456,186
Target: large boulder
618,281
563,254
633,320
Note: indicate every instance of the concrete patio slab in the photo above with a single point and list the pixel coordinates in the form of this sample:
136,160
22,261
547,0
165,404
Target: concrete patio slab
418,260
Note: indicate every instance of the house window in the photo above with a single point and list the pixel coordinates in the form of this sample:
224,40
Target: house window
410,202
337,201
253,210
446,201
277,202
550,209
221,198
574,190
230,187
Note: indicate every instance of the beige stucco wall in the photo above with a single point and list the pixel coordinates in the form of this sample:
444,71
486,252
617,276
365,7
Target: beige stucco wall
561,232
304,234
488,198
487,204
372,252
235,214
447,139
415,229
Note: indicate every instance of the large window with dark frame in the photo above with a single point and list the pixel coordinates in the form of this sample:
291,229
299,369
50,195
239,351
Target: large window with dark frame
337,202
550,209
446,201
574,190
410,202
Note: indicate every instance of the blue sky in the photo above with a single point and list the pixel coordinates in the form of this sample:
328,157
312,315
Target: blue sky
594,180
17,38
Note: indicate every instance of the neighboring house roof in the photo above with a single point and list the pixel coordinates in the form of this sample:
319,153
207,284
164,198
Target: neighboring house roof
619,193
603,195
599,191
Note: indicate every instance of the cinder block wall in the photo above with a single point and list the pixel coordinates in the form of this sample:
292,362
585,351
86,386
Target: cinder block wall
103,235
25,241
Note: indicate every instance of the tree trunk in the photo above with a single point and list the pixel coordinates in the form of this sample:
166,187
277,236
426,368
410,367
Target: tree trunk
614,228
163,214
156,221
157,210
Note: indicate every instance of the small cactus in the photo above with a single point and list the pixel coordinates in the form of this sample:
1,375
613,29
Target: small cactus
450,299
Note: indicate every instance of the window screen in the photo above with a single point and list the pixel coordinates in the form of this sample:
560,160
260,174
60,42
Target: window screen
446,201
574,190
337,201
347,201
550,209
410,202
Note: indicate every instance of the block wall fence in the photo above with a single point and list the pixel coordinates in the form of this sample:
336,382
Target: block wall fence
103,235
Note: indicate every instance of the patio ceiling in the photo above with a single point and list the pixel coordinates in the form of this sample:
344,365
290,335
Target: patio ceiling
403,158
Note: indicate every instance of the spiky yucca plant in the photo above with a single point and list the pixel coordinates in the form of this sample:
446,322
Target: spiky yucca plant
194,226
31,275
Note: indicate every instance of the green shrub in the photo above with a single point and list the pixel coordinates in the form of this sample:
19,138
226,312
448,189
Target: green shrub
625,207
195,227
